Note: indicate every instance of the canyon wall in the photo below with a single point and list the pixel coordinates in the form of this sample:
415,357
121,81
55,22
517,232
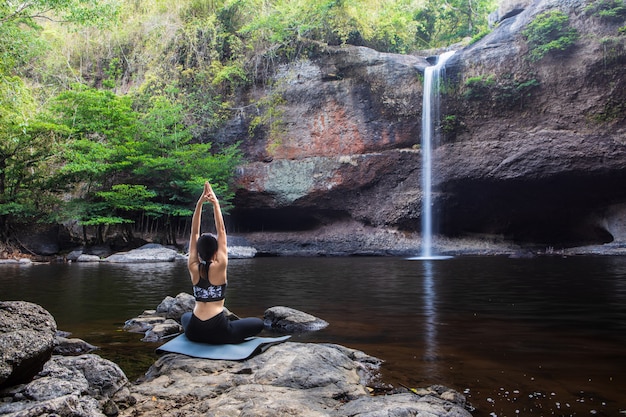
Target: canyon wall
529,151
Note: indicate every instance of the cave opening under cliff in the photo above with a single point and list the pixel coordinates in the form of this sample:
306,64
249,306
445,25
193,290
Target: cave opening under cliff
560,212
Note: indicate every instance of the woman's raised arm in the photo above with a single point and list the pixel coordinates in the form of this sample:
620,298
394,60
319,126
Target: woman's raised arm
222,244
193,261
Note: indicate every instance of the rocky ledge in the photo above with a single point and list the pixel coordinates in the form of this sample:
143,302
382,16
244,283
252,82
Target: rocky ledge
304,379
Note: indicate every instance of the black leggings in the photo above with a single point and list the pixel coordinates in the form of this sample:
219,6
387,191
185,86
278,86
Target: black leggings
219,329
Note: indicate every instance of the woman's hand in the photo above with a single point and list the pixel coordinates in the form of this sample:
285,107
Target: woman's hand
209,194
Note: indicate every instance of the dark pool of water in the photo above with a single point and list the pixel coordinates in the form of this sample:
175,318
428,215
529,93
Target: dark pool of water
541,336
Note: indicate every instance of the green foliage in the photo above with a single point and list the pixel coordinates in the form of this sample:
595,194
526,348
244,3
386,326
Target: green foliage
114,144
71,11
19,44
479,36
270,117
549,33
449,123
28,152
479,87
611,10
445,23
89,112
505,92
391,26
29,146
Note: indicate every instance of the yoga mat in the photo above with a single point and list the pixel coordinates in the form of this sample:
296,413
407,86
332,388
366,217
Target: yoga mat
233,352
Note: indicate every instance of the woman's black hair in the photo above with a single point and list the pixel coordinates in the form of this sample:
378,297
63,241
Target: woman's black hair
207,246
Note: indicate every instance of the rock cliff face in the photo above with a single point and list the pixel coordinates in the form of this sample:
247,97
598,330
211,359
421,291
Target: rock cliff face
530,151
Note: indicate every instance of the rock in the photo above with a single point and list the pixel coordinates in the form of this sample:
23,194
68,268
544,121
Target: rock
27,333
101,251
507,9
159,331
87,258
21,261
74,255
147,253
174,308
143,323
73,346
241,252
300,379
615,220
289,320
70,386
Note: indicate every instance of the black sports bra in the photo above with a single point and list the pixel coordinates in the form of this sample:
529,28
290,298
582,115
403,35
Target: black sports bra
205,291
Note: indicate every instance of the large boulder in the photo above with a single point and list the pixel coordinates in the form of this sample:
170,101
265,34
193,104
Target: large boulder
148,253
175,307
289,320
303,379
85,385
27,339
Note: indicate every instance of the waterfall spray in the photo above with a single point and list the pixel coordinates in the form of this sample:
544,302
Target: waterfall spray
430,119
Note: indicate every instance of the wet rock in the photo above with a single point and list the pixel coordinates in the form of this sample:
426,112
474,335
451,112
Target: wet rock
72,346
143,323
27,334
289,320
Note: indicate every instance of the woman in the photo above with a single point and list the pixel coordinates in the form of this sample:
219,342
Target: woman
208,261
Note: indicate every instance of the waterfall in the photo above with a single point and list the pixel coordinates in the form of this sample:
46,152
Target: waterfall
430,119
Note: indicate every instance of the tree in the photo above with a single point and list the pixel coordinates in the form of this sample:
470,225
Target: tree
28,148
70,11
135,166
449,21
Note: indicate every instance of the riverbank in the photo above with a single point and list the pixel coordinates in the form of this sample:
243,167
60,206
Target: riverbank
304,379
347,239
350,239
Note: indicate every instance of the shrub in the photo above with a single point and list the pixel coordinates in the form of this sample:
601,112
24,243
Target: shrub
611,10
479,87
504,91
549,32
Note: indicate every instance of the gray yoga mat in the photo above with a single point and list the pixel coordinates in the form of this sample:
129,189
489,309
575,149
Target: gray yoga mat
233,352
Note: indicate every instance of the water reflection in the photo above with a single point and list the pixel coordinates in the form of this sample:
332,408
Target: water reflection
430,317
